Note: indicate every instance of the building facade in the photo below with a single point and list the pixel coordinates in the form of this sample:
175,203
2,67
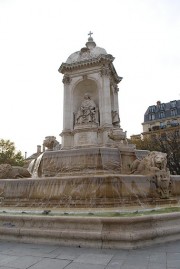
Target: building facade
162,118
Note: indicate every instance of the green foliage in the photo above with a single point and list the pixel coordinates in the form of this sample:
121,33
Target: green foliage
146,144
168,143
8,154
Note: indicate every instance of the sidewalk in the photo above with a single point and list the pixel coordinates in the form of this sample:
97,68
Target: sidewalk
21,256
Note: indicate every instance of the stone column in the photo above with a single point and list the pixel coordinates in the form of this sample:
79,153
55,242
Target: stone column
67,114
106,120
67,104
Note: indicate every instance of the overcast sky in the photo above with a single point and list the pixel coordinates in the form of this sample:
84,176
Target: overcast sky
36,36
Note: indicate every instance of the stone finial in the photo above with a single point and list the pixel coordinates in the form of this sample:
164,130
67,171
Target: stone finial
90,44
90,33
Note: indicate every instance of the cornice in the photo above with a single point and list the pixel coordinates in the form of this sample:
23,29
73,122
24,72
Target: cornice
104,61
101,59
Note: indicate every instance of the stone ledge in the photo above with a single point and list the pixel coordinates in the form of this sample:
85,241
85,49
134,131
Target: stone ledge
99,232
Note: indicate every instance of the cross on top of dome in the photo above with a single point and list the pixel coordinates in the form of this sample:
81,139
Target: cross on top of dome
90,39
90,33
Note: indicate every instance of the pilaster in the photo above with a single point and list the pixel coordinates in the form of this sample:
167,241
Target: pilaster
106,120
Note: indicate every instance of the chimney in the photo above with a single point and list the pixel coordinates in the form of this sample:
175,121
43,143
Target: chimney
38,149
158,103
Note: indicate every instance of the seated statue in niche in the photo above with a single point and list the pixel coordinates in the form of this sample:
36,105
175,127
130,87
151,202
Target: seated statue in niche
87,112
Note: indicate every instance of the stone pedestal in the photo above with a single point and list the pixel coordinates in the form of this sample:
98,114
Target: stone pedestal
85,135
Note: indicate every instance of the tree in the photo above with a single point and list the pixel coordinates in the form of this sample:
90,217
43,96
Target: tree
168,143
171,145
9,155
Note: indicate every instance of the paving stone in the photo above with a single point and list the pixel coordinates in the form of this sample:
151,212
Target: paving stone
173,267
23,262
69,253
102,259
173,246
51,264
155,265
5,267
173,263
33,250
75,265
4,259
136,262
42,256
127,266
115,264
173,256
158,258
173,259
120,255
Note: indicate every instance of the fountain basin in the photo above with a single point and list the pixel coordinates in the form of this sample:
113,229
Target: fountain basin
85,160
85,191
99,232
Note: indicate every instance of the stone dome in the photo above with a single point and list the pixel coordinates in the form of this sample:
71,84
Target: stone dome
89,52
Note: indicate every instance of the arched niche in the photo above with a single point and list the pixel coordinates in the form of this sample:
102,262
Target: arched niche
85,86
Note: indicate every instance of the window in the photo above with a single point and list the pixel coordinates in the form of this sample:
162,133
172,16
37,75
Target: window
152,116
161,115
173,112
162,106
173,103
152,109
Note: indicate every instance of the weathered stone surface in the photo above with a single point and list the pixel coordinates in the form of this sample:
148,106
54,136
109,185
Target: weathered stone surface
8,171
154,161
88,191
90,96
99,232
51,143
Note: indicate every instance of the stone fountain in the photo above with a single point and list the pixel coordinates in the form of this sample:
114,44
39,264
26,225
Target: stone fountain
94,169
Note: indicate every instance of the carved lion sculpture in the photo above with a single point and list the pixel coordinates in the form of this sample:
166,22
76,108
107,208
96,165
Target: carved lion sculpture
51,143
153,162
8,171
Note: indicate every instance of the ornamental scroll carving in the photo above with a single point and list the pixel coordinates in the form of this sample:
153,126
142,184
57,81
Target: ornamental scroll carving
105,71
116,89
114,86
66,79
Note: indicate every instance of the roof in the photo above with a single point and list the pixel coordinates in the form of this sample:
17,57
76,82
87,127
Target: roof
89,52
162,110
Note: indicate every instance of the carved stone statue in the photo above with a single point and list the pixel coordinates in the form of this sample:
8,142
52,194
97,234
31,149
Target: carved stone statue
115,118
87,112
155,161
155,164
163,184
51,143
8,171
